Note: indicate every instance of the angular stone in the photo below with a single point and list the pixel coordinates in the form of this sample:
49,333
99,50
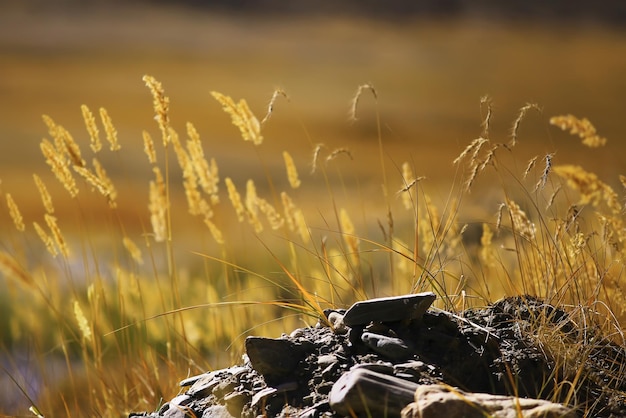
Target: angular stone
273,358
390,347
216,411
203,386
362,391
389,309
434,401
193,379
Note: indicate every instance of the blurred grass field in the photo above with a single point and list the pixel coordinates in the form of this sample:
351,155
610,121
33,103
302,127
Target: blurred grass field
429,77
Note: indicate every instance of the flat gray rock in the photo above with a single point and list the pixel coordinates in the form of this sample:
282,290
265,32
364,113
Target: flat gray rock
390,309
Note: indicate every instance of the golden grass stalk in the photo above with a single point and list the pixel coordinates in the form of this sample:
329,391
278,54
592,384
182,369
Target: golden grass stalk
486,101
59,167
355,100
215,231
207,172
409,181
46,239
429,225
520,116
316,154
242,117
11,268
349,235
45,195
157,206
294,218
148,147
110,130
546,172
270,107
487,252
110,190
581,127
82,322
100,181
591,189
161,104
92,128
64,142
520,222
252,206
14,212
235,199
292,171
273,217
133,250
337,152
473,148
51,221
531,164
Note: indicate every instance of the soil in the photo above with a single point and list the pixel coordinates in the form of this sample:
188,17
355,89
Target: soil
518,346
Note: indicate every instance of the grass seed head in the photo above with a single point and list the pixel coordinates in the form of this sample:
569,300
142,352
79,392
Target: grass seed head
242,117
161,104
158,206
355,100
133,250
270,107
148,147
45,195
581,127
92,129
51,221
15,213
58,165
235,199
46,239
292,171
110,130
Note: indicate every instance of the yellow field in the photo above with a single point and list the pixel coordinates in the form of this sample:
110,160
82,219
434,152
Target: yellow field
429,78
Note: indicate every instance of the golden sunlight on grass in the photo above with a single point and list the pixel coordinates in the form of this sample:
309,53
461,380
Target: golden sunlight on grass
144,241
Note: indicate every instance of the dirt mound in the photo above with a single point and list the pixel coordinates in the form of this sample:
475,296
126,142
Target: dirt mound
518,346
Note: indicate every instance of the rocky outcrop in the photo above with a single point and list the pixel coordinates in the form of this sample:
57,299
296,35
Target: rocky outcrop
393,356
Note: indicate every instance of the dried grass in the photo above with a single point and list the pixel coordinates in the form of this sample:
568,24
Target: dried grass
581,127
242,117
292,171
92,129
14,212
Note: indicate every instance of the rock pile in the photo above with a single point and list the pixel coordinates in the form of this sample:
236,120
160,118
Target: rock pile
396,357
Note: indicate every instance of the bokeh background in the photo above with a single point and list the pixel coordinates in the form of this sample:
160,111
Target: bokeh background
430,62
